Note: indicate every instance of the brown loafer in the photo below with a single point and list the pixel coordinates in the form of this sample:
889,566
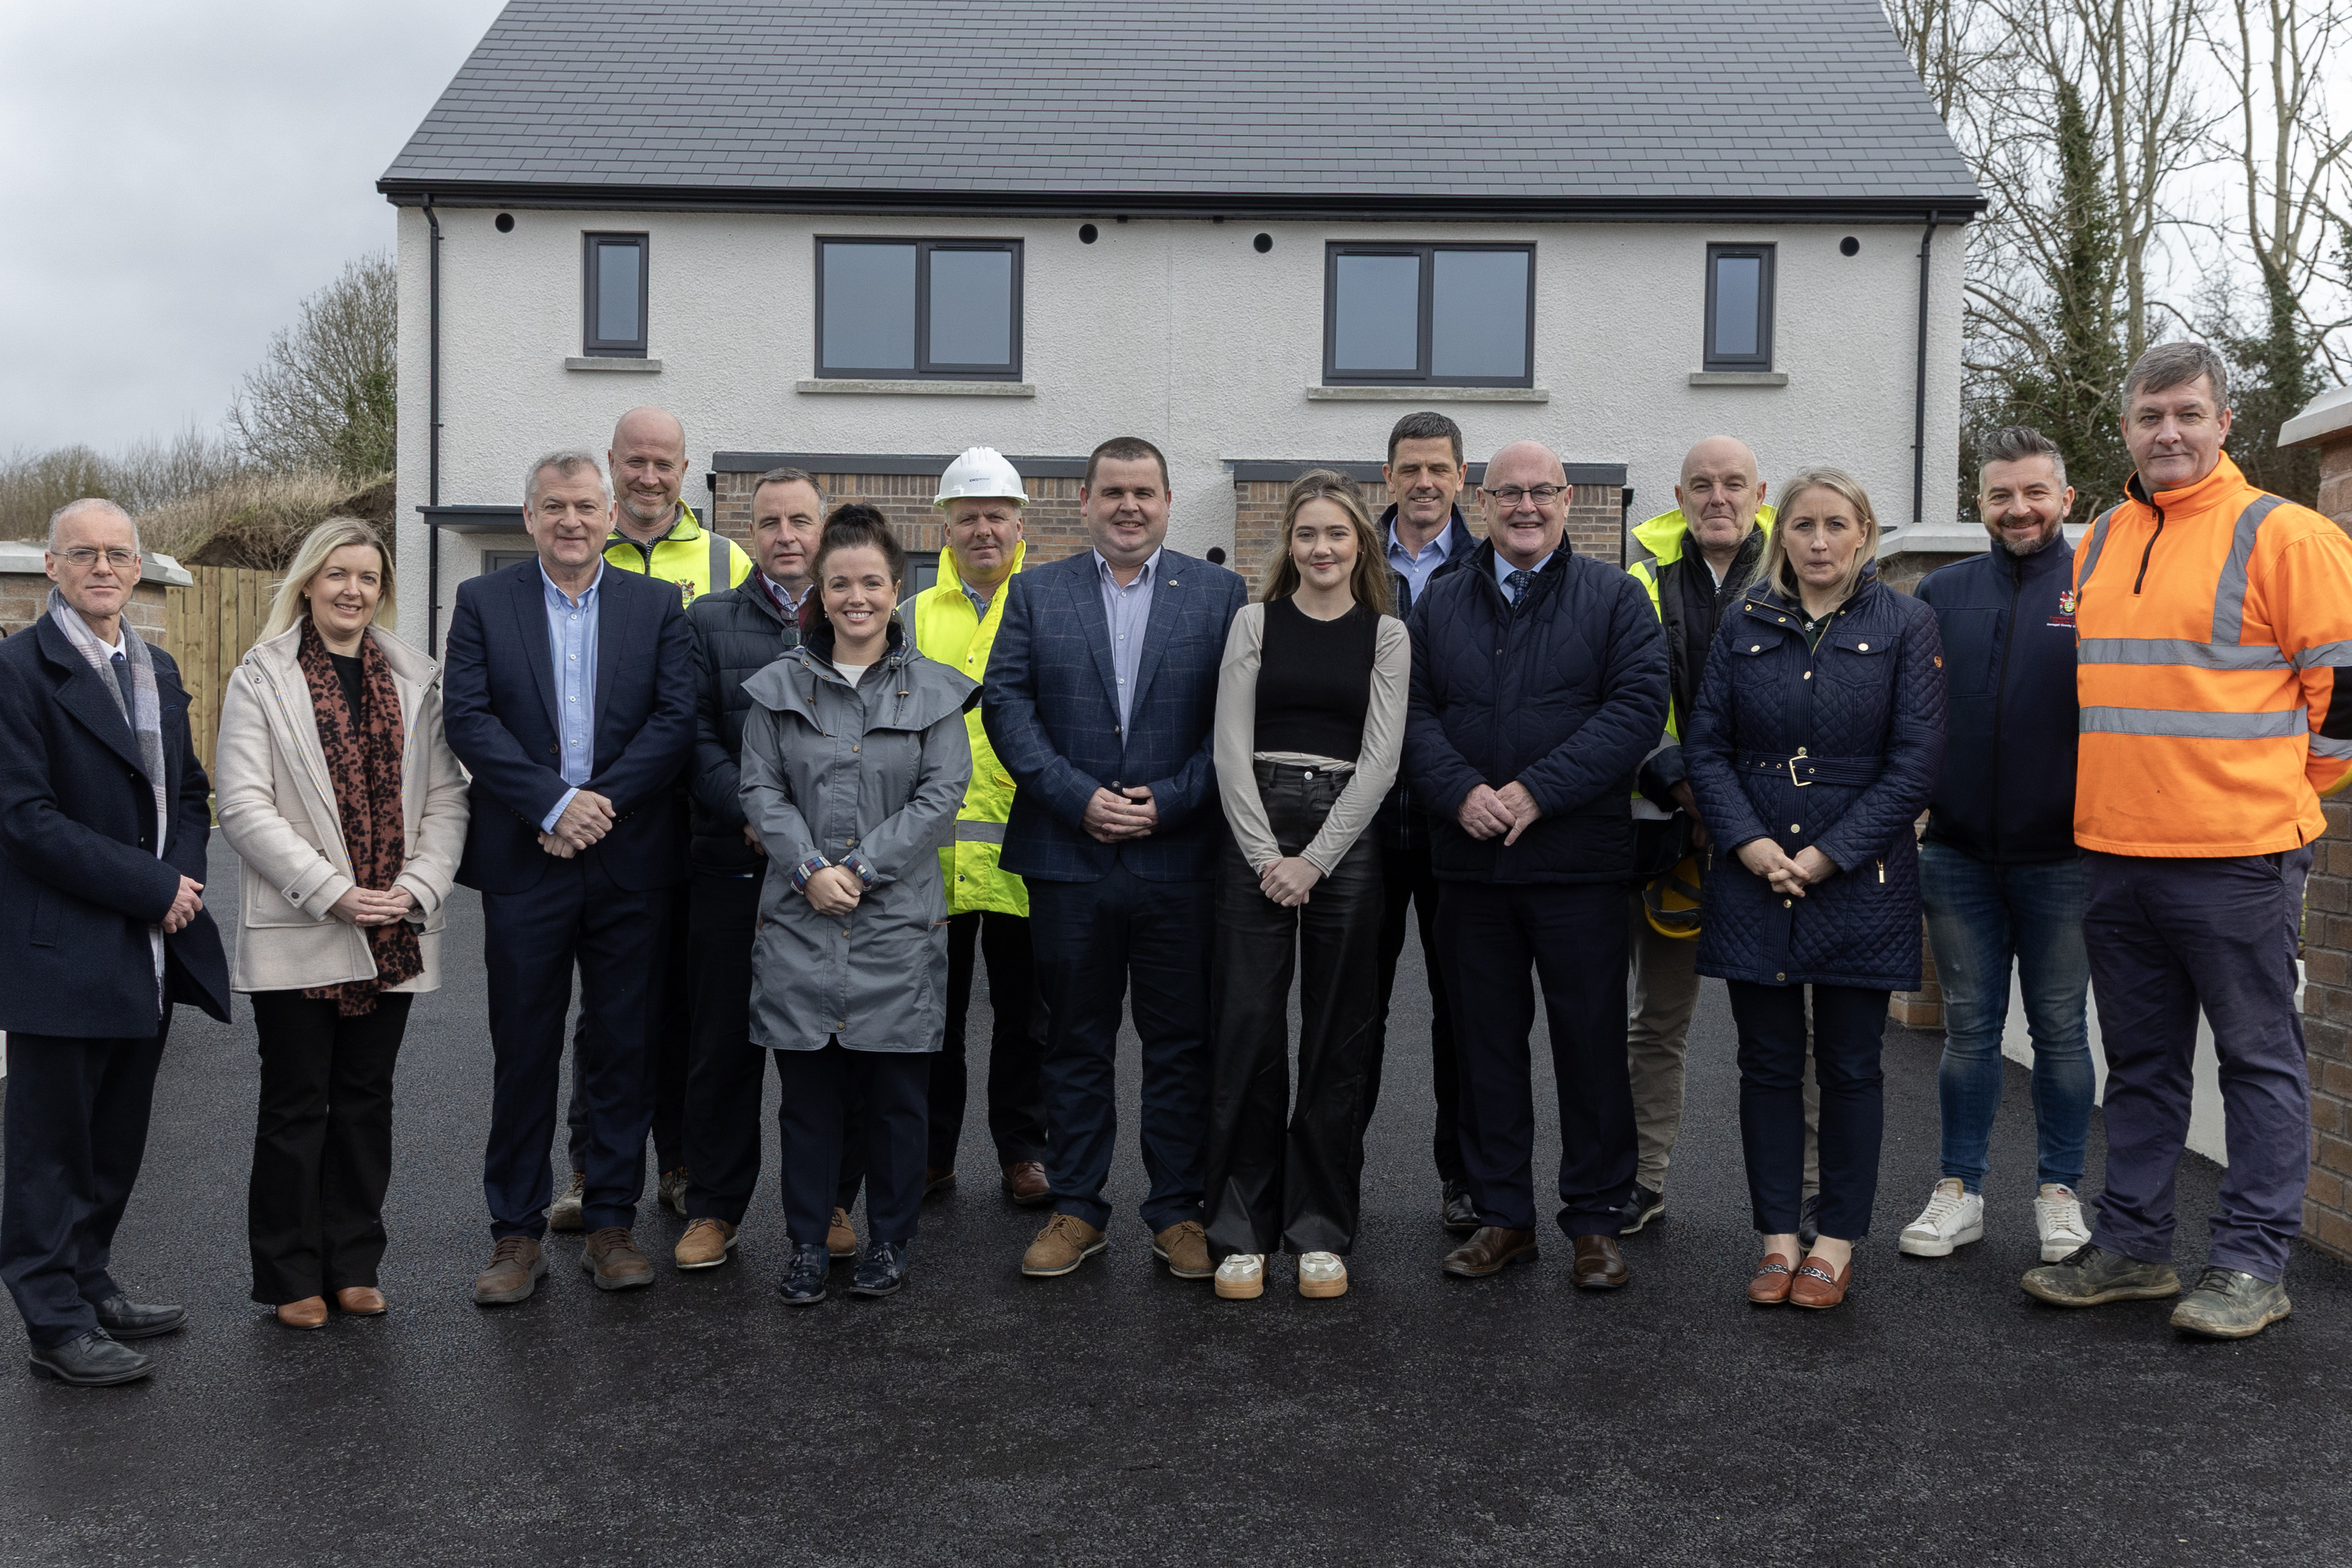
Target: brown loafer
359,1301
1598,1264
1025,1183
1815,1286
1490,1250
1769,1286
310,1312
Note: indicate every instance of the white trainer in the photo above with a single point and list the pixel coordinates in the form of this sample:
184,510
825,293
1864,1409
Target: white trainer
2058,1218
1322,1274
1242,1277
1953,1217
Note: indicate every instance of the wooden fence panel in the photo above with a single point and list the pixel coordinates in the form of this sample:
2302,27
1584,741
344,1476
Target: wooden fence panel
208,626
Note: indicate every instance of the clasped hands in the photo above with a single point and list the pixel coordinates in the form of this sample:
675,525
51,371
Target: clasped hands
366,907
186,904
833,891
1506,813
586,818
1789,875
1115,818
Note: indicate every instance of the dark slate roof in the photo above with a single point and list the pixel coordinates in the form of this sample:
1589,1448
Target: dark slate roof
1192,105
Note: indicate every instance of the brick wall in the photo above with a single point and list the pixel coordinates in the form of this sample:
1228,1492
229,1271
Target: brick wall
1052,526
2335,481
25,595
2328,1035
1595,521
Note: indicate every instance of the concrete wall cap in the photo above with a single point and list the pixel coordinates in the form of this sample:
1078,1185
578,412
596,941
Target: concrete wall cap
22,557
2329,414
1966,536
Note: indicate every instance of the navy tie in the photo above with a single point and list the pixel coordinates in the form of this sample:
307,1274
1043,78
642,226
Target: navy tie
123,683
1517,582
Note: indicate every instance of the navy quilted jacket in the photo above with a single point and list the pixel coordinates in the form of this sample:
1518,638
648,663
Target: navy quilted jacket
1565,693
1867,709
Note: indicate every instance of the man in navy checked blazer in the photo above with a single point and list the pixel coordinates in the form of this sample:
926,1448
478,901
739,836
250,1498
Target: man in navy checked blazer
1101,694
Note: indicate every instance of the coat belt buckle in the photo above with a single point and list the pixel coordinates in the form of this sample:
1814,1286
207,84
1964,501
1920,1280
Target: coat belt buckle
1800,784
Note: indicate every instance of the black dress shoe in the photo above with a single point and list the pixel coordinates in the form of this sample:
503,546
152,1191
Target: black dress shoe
1598,1264
1459,1212
1640,1209
803,1284
1809,1230
124,1319
882,1270
1490,1251
93,1360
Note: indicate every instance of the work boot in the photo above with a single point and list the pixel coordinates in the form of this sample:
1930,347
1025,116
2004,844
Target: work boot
707,1244
1065,1243
612,1260
1184,1247
513,1272
563,1214
2230,1304
2092,1277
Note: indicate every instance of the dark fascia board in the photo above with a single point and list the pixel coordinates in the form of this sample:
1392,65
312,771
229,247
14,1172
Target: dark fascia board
1335,207
884,463
474,518
1255,470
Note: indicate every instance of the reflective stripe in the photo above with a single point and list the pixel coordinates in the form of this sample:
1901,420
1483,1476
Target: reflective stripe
2098,543
2193,724
970,830
2322,746
2324,653
2230,593
2177,651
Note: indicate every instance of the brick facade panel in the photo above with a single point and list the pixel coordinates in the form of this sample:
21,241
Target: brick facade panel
2327,1036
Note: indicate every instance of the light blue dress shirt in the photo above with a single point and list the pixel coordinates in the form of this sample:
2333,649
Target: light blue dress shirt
1128,610
1415,569
572,650
1503,570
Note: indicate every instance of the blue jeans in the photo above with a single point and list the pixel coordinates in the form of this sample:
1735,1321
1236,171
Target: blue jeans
1980,917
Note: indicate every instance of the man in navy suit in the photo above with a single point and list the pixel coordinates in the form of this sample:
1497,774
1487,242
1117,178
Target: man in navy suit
1102,693
569,695
103,823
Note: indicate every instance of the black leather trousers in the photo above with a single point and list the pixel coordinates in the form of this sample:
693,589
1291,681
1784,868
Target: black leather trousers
1284,1178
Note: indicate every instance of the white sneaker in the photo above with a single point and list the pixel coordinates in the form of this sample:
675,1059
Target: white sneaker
1322,1274
2058,1218
1953,1217
1242,1277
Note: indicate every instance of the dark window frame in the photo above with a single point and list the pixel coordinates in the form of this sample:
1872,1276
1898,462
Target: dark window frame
1764,253
590,345
925,368
1427,253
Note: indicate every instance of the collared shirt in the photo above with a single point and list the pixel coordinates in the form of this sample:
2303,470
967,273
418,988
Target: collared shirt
1503,570
782,596
1128,611
980,600
572,650
1415,569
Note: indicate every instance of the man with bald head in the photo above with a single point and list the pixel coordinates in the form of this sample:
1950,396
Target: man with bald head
1701,556
1539,685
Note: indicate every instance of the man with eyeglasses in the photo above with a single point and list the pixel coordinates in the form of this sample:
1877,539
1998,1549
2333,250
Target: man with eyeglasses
1539,685
103,827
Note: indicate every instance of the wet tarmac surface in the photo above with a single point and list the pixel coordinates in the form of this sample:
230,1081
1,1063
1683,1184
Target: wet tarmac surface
1122,1416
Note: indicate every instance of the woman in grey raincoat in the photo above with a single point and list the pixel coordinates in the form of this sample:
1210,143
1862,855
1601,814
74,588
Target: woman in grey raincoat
854,762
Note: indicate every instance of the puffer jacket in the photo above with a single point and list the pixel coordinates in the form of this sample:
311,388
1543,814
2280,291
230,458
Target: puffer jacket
1565,693
869,777
1867,711
738,632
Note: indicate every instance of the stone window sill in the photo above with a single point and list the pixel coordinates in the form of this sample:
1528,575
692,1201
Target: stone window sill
625,366
836,387
1739,378
1427,394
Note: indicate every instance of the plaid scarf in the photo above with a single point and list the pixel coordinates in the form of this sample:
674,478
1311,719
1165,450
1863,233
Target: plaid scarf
364,753
145,717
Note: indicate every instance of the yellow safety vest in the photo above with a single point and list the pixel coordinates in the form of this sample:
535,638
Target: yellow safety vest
950,631
1662,537
697,560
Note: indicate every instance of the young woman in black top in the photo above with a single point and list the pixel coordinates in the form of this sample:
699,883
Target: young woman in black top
1310,712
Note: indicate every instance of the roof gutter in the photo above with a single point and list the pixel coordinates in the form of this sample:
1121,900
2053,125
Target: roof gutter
1919,407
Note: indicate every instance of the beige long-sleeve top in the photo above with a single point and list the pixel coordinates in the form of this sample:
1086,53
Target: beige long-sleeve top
1237,732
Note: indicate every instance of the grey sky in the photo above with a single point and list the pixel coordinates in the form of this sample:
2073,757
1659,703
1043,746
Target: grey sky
182,172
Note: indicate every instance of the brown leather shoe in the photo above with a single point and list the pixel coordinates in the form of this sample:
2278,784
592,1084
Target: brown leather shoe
515,1267
938,1179
841,1237
1816,1287
1490,1250
1065,1243
310,1312
1769,1286
612,1260
359,1301
1598,1264
1026,1185
1184,1247
707,1244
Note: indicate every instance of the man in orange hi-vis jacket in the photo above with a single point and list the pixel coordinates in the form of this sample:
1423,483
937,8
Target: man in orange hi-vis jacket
2214,627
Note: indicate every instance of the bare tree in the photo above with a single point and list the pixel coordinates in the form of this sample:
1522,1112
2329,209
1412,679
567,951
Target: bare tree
322,396
1945,42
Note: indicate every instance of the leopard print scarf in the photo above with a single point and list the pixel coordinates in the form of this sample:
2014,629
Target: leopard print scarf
363,758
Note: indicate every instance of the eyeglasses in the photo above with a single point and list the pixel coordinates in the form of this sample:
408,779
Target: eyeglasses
82,557
1510,496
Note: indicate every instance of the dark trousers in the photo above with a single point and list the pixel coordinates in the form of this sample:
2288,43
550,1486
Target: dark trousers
1092,938
721,1143
531,942
1406,879
1293,1188
321,1144
76,1127
823,1088
1574,936
672,1045
1849,1023
2166,938
1016,1043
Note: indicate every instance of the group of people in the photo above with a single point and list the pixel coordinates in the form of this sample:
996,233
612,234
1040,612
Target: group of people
770,810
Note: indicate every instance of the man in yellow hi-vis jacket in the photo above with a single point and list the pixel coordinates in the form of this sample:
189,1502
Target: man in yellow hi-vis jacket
955,623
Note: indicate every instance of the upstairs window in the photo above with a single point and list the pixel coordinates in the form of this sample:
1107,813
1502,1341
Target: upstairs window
1738,307
613,296
919,309
1440,315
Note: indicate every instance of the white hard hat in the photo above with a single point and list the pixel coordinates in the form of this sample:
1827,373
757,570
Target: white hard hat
981,472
